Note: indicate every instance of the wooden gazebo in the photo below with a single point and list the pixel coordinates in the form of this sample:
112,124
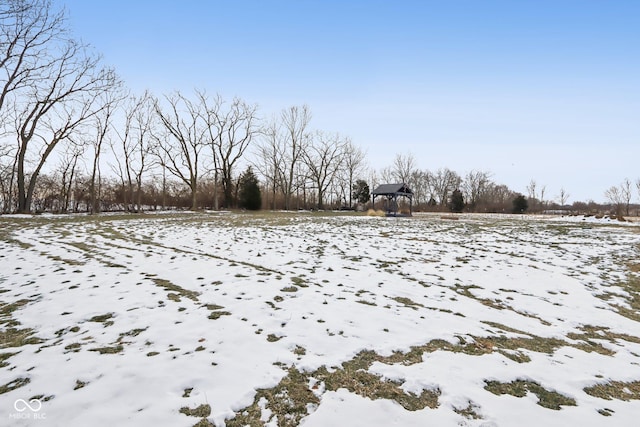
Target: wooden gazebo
391,192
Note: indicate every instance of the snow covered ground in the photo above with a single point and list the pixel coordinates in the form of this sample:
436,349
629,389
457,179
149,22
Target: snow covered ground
318,320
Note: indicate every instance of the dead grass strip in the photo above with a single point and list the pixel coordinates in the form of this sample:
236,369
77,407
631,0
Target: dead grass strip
519,388
615,390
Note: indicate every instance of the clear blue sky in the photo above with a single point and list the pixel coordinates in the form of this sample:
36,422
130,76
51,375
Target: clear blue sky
544,90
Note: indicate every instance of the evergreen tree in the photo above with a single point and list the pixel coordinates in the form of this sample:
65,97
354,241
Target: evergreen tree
249,196
520,204
361,191
457,201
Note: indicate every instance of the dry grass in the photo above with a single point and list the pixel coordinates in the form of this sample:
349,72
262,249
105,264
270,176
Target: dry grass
12,335
215,315
177,291
288,402
108,350
290,399
372,212
105,319
519,388
201,411
471,411
12,385
615,390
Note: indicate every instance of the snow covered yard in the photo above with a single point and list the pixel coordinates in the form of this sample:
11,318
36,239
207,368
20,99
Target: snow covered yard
318,320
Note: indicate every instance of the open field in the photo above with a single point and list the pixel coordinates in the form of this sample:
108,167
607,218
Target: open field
318,320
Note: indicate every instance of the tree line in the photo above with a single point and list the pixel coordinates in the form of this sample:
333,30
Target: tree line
73,138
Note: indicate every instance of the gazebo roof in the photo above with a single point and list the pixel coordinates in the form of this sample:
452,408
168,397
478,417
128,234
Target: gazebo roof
398,189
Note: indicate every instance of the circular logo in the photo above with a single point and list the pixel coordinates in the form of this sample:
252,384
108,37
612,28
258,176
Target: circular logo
22,405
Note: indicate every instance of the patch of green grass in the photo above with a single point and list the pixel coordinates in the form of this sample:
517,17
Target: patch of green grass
365,302
519,388
289,289
615,390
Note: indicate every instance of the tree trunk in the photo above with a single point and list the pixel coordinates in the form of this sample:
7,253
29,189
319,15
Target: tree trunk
216,201
194,195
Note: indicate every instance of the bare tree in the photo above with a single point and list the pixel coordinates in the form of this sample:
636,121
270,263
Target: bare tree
28,28
180,153
295,121
403,168
354,163
102,123
324,158
68,95
418,187
269,161
55,83
7,176
230,129
387,175
68,171
616,198
625,192
475,186
499,198
532,189
563,197
443,182
133,152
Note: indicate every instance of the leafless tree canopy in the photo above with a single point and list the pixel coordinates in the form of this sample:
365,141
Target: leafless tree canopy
53,86
182,140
